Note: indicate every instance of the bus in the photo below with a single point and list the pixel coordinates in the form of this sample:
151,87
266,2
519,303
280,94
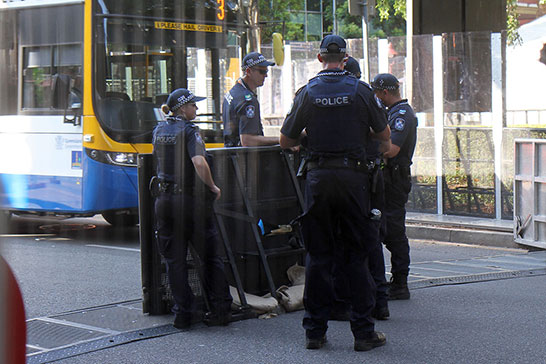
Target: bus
81,85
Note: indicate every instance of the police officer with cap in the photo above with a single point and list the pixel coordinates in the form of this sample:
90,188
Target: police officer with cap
336,110
184,212
377,189
403,124
241,109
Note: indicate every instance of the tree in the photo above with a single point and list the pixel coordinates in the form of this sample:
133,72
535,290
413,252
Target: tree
250,15
398,7
276,15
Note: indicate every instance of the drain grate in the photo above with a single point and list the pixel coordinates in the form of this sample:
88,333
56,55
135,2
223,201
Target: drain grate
484,277
49,335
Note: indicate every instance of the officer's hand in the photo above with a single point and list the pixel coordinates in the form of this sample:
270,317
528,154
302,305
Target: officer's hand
295,149
217,192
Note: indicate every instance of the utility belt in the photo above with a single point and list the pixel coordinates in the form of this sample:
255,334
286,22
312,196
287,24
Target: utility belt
397,167
158,185
347,163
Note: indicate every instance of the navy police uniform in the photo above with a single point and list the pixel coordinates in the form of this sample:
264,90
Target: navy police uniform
403,124
337,111
241,109
241,114
182,216
377,204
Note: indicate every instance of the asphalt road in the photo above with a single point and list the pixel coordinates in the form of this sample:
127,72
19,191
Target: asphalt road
73,264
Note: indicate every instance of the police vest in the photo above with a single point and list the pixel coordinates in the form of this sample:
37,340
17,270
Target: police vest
335,126
172,161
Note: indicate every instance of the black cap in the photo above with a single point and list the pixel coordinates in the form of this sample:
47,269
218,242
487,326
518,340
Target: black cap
385,81
255,59
353,67
333,44
180,97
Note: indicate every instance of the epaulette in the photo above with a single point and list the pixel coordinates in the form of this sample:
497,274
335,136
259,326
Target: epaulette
300,89
367,85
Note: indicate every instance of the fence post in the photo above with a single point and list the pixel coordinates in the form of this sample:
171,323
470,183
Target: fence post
438,82
497,116
286,80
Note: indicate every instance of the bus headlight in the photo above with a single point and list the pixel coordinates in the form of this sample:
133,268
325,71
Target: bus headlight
115,158
122,159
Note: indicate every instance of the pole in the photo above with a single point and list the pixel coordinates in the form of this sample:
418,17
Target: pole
365,53
409,50
334,27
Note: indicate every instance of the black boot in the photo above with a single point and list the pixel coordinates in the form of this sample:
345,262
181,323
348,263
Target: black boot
398,287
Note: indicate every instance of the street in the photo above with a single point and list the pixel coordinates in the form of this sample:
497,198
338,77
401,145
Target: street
76,267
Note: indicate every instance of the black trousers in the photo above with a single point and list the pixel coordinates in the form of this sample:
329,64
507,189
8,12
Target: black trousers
397,189
376,259
179,221
336,229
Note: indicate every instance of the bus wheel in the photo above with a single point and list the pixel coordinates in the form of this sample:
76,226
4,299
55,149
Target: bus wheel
120,218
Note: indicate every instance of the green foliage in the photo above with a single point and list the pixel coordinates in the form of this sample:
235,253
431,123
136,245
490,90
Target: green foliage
349,26
275,16
386,7
390,19
512,23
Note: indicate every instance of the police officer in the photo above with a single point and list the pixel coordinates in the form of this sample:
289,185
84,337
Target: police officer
377,189
183,215
241,110
336,111
403,124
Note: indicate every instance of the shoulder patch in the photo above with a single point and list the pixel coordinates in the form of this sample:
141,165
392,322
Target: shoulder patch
250,111
378,101
399,124
198,138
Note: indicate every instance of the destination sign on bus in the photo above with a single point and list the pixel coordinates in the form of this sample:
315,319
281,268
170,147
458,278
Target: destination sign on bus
188,26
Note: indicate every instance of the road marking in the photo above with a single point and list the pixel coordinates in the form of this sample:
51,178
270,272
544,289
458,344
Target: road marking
78,325
36,347
25,235
114,247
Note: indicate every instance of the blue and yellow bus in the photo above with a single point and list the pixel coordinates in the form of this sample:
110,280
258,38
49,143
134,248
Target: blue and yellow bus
81,85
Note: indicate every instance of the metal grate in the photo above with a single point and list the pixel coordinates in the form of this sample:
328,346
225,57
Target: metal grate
50,335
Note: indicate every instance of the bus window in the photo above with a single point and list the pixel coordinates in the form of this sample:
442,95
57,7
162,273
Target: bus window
8,64
40,65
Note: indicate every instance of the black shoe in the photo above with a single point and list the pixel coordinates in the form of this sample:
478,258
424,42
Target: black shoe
375,340
398,291
381,313
217,319
314,344
182,322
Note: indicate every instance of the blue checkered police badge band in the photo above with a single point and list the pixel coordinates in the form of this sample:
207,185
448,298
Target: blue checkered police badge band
254,59
341,50
182,100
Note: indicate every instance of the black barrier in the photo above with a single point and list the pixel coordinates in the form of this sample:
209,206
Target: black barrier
259,187
261,196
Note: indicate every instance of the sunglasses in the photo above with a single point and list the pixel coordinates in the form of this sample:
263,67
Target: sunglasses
262,71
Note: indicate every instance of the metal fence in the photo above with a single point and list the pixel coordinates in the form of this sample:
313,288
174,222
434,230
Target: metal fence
469,92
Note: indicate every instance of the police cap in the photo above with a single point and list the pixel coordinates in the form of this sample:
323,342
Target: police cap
385,81
353,67
255,59
333,44
180,97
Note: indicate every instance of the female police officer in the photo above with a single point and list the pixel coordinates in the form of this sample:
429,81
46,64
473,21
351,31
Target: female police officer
182,215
